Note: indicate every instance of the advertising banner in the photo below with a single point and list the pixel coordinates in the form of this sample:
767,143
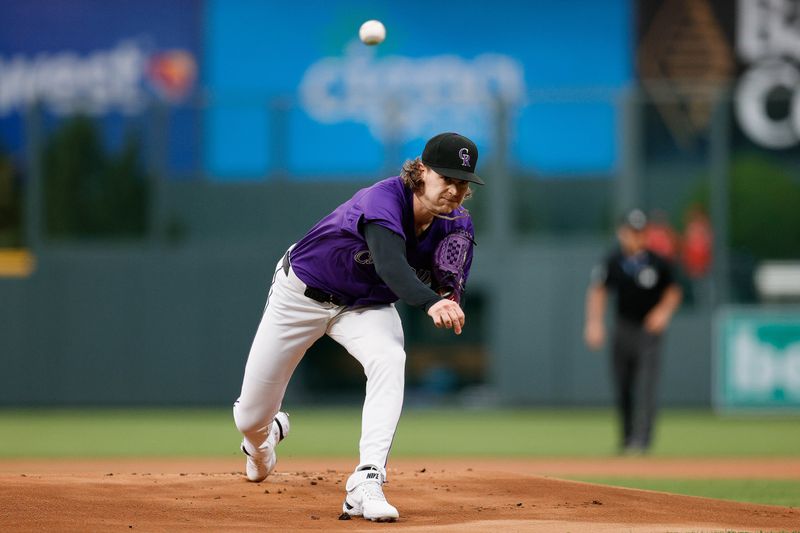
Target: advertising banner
348,109
695,50
103,59
757,360
287,89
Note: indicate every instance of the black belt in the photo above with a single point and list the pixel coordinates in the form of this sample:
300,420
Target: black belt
315,294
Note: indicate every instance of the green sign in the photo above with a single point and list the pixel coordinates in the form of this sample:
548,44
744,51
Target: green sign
757,359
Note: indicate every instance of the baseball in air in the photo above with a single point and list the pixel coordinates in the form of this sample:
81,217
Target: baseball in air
372,32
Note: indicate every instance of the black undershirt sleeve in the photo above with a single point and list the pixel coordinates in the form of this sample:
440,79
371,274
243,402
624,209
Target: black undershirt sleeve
388,250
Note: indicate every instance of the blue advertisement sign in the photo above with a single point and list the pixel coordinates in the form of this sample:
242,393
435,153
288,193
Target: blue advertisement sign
556,66
104,59
262,88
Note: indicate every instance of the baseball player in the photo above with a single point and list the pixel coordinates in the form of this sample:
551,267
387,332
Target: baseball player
647,297
406,237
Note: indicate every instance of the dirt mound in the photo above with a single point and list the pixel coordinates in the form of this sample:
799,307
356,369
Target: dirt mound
432,495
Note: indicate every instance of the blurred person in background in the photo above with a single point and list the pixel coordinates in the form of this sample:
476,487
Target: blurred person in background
698,244
342,279
661,237
647,296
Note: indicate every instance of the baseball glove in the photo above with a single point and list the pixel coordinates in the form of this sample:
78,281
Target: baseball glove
449,263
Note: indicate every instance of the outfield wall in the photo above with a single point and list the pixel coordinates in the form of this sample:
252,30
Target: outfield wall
171,323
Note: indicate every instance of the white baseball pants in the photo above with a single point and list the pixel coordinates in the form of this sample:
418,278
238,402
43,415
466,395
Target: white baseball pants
291,323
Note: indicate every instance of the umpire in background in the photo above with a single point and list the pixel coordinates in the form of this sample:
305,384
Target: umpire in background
647,296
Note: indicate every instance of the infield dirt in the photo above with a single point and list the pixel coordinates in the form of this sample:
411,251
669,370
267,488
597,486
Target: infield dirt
431,494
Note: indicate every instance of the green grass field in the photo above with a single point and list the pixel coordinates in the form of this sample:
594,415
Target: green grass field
766,491
84,433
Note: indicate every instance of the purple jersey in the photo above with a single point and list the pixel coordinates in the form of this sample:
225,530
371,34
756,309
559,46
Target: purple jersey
333,256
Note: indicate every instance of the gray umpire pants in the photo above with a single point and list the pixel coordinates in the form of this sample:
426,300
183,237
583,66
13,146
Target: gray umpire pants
635,369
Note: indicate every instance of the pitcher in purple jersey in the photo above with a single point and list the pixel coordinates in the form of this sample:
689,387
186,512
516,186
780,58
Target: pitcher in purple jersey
342,279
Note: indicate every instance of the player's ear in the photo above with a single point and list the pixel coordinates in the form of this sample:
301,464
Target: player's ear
419,177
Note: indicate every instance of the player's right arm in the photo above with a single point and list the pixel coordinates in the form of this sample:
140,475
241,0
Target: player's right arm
594,331
388,251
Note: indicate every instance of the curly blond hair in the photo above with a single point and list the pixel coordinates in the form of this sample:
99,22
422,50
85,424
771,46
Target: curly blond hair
412,172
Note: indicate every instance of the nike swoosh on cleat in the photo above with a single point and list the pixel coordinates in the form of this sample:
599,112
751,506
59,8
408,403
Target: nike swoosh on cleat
280,429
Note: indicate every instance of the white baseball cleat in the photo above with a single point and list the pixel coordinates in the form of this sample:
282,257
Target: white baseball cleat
365,496
261,463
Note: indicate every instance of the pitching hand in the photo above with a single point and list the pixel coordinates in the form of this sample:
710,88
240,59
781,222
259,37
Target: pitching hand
447,314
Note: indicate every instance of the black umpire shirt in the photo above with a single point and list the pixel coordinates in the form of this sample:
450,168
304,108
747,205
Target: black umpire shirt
639,281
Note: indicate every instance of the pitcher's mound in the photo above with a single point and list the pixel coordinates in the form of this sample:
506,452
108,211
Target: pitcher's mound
431,495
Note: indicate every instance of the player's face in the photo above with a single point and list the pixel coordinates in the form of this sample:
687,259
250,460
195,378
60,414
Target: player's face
441,194
631,241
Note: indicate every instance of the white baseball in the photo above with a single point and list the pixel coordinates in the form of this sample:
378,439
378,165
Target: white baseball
372,32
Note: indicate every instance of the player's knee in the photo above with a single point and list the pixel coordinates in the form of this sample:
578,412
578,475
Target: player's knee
387,362
247,422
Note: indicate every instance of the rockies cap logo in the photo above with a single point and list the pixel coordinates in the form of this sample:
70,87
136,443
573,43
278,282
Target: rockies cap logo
464,155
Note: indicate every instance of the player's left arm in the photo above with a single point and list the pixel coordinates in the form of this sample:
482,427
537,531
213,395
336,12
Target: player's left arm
659,317
388,251
389,257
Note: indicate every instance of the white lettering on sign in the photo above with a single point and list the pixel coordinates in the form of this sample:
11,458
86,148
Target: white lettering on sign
768,38
409,97
115,79
66,82
759,367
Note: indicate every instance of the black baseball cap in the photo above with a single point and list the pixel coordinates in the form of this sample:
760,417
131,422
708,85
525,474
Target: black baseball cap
635,219
453,156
